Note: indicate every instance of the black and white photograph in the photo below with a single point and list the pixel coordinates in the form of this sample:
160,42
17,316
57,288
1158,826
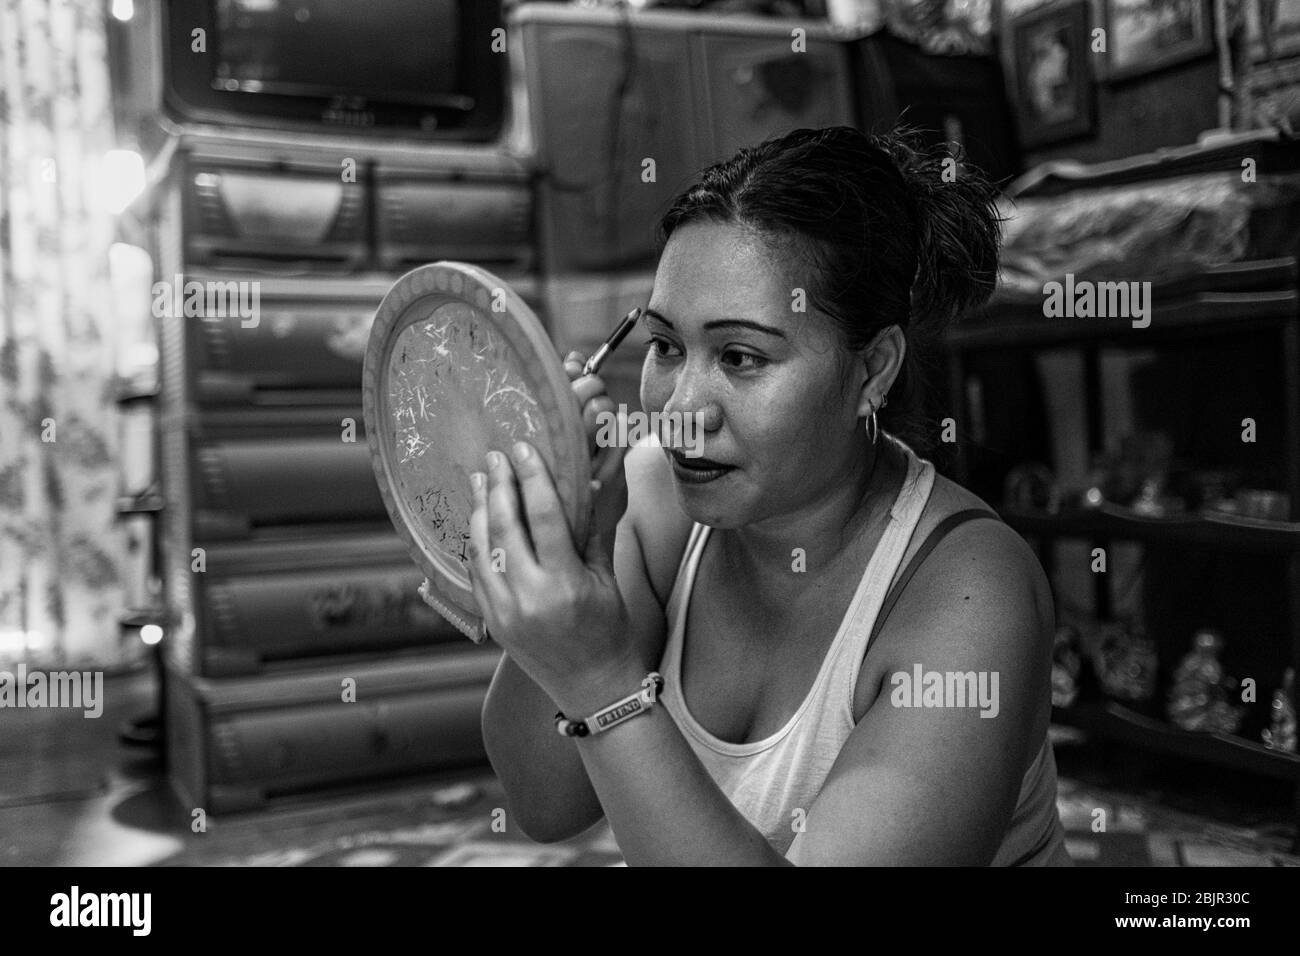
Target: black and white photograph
1149,35
1054,78
688,433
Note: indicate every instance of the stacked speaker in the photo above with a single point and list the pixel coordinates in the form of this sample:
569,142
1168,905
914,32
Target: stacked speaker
299,656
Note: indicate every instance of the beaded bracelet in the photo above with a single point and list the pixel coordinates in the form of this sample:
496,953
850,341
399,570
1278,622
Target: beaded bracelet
630,706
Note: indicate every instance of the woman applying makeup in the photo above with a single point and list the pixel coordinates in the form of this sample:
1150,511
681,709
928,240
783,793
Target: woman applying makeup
785,589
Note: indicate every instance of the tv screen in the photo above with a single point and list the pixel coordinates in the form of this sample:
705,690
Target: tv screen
425,68
324,47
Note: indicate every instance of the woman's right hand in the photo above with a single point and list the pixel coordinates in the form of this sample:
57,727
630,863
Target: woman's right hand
610,485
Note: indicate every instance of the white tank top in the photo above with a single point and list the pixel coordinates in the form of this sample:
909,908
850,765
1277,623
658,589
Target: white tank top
769,780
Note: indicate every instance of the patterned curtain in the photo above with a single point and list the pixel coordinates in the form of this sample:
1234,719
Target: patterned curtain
61,551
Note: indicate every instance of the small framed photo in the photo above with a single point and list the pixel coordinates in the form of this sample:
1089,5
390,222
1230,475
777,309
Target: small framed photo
1143,36
1053,75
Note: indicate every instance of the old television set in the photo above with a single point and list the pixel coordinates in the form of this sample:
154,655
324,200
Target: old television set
424,68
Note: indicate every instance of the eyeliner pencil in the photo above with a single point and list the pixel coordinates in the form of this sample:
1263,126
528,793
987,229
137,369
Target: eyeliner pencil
607,347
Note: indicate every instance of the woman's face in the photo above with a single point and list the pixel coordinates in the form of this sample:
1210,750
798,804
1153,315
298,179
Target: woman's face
729,341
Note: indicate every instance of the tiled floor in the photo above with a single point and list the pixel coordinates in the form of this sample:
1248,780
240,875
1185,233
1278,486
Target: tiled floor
70,795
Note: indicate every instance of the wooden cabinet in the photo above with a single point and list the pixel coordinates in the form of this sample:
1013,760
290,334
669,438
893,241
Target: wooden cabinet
1206,318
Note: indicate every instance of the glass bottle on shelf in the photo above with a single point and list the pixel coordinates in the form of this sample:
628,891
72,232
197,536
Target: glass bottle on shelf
1067,663
1280,734
1198,696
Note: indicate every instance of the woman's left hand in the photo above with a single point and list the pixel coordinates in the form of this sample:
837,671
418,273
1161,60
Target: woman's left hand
558,613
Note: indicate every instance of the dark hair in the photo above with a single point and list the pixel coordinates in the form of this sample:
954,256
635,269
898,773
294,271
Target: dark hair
888,231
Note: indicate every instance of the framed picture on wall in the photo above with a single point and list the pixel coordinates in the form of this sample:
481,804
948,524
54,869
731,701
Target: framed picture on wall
1273,29
1053,75
1143,36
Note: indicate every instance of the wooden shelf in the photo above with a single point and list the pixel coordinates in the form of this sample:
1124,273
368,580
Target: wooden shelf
1188,308
1116,722
1272,153
1021,324
1248,275
1226,533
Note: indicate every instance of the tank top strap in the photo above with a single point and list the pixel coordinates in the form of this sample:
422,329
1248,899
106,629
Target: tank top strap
932,540
678,599
858,628
684,580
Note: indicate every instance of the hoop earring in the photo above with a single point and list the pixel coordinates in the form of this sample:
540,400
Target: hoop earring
873,428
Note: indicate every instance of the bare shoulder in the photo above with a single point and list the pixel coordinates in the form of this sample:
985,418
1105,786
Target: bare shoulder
981,594
659,525
990,545
978,563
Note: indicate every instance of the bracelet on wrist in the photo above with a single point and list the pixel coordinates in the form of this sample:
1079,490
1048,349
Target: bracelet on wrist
633,705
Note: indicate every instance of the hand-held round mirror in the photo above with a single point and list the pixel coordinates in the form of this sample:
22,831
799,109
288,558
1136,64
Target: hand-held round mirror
458,365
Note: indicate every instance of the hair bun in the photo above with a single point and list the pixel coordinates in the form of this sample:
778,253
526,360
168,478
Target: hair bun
958,225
